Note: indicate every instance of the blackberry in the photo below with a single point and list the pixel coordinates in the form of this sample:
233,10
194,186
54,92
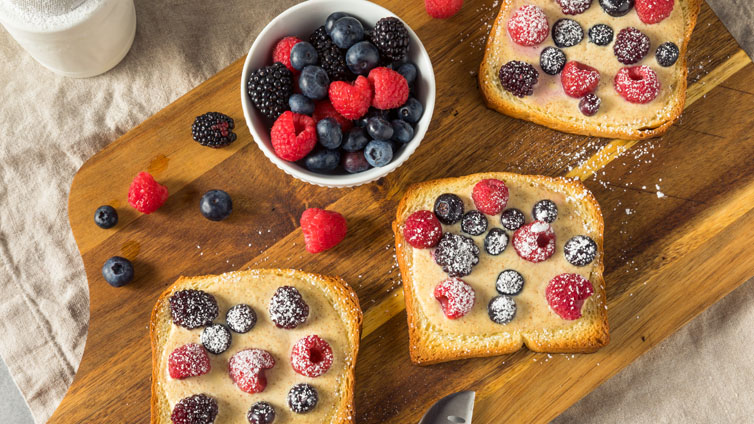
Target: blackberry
196,409
287,308
631,45
391,38
261,413
331,58
518,78
192,308
213,129
269,89
456,254
552,60
667,54
302,398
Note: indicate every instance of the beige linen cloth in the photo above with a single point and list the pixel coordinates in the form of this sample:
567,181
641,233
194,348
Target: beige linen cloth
50,125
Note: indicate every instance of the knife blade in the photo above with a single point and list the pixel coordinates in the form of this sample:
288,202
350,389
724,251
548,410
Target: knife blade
456,408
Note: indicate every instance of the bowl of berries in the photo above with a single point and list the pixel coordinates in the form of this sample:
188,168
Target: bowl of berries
337,93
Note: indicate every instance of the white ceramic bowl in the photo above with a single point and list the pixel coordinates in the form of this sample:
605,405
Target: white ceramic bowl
301,20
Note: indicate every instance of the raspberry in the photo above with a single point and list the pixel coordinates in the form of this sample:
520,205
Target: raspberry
535,241
145,194
442,9
631,45
456,297
351,100
528,26
574,7
578,79
287,308
456,254
189,360
490,196
282,52
324,109
196,409
422,229
390,88
246,369
566,294
518,78
311,356
637,84
293,136
192,308
653,11
322,229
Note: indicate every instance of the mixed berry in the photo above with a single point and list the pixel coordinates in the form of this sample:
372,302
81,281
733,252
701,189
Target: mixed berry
529,26
346,74
534,241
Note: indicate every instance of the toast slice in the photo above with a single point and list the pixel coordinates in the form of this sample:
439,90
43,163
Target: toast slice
616,118
334,315
435,338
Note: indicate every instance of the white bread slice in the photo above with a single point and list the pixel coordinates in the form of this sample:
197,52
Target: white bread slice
331,291
433,340
616,118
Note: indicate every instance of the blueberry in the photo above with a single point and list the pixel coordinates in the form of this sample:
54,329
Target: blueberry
303,54
241,318
216,205
379,128
378,153
495,241
580,250
372,112
261,413
601,34
216,338
411,111
322,160
330,22
501,309
474,223
512,219
616,7
106,217
355,162
552,60
589,104
118,271
408,70
329,133
403,132
545,210
346,32
667,54
567,33
448,208
302,397
314,82
362,57
355,140
509,282
301,104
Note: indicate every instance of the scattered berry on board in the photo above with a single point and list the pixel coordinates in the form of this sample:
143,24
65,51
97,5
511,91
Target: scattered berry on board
192,308
637,84
106,217
213,129
118,271
528,26
311,356
246,368
145,194
189,360
261,413
216,338
196,409
302,398
241,318
442,9
566,294
422,230
322,229
518,78
216,205
578,79
456,297
287,308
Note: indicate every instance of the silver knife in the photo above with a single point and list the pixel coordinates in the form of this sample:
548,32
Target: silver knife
452,409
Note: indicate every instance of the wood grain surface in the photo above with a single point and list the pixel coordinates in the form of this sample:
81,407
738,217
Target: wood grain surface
679,215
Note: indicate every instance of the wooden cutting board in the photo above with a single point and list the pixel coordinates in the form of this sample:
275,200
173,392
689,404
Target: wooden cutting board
679,215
